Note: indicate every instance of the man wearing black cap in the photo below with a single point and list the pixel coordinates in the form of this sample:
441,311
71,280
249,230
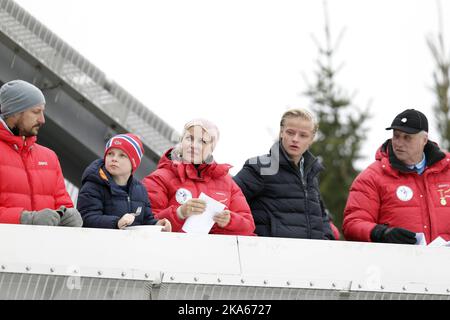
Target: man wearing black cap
32,189
405,191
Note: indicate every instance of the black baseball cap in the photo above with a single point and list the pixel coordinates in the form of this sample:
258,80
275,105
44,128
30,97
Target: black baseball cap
410,121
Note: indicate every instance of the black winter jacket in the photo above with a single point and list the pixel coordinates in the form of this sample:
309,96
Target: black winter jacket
283,204
102,202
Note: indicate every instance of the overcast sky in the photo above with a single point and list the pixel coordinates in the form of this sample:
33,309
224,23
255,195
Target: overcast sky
240,63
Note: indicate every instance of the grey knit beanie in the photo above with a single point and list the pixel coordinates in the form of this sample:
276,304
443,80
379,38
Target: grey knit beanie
17,96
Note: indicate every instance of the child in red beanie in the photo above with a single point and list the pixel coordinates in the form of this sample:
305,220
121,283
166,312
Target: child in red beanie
110,196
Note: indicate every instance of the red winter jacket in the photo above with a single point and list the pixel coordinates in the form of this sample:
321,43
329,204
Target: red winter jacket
30,177
211,179
387,193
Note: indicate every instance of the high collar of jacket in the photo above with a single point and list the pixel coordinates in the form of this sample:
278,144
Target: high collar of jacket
18,143
184,171
97,173
386,154
278,153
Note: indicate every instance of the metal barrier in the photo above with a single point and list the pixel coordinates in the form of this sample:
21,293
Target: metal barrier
19,286
69,263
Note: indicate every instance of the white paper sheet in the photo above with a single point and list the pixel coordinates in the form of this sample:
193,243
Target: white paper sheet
421,240
202,223
439,242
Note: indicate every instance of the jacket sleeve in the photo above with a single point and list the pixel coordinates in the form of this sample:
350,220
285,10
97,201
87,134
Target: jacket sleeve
159,198
241,222
61,196
362,208
90,205
250,181
10,215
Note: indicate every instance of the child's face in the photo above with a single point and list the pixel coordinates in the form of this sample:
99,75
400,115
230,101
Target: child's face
117,163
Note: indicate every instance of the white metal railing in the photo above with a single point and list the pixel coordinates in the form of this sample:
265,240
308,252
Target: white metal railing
146,264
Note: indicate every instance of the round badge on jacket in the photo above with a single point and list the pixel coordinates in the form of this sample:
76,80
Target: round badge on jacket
404,193
183,195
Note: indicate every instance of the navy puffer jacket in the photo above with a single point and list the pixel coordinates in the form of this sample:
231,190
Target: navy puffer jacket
102,202
282,203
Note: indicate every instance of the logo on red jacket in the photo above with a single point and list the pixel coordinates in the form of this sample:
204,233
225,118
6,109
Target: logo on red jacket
444,193
404,193
183,195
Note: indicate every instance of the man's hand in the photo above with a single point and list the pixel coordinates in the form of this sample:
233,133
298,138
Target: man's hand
44,217
382,233
70,217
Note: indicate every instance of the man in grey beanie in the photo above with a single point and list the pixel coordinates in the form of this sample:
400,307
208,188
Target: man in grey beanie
32,188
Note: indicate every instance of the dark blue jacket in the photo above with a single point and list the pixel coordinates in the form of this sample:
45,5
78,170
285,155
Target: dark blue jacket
283,204
102,202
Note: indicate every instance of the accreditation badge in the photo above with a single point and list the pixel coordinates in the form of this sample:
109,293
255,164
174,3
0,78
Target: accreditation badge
404,193
183,195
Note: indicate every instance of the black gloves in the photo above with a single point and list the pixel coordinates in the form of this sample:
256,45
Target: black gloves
44,217
382,233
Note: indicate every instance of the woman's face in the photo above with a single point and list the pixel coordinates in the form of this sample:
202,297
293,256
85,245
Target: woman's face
196,145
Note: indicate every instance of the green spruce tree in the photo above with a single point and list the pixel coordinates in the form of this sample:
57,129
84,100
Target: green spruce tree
341,128
441,82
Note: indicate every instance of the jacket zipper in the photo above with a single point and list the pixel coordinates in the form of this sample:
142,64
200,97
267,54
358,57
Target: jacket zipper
305,190
428,206
129,204
22,154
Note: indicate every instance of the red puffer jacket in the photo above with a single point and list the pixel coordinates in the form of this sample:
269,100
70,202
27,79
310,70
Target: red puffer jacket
211,179
387,194
30,177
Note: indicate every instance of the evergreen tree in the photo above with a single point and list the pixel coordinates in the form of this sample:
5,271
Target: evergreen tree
441,83
341,128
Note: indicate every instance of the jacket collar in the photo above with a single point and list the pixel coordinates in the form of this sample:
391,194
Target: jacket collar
278,153
18,143
432,152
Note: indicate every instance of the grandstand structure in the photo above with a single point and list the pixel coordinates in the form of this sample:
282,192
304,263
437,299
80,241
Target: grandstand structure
84,108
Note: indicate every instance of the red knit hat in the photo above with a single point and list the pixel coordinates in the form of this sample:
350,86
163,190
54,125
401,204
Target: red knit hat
130,144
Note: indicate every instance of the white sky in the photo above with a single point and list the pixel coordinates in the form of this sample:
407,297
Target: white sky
239,63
